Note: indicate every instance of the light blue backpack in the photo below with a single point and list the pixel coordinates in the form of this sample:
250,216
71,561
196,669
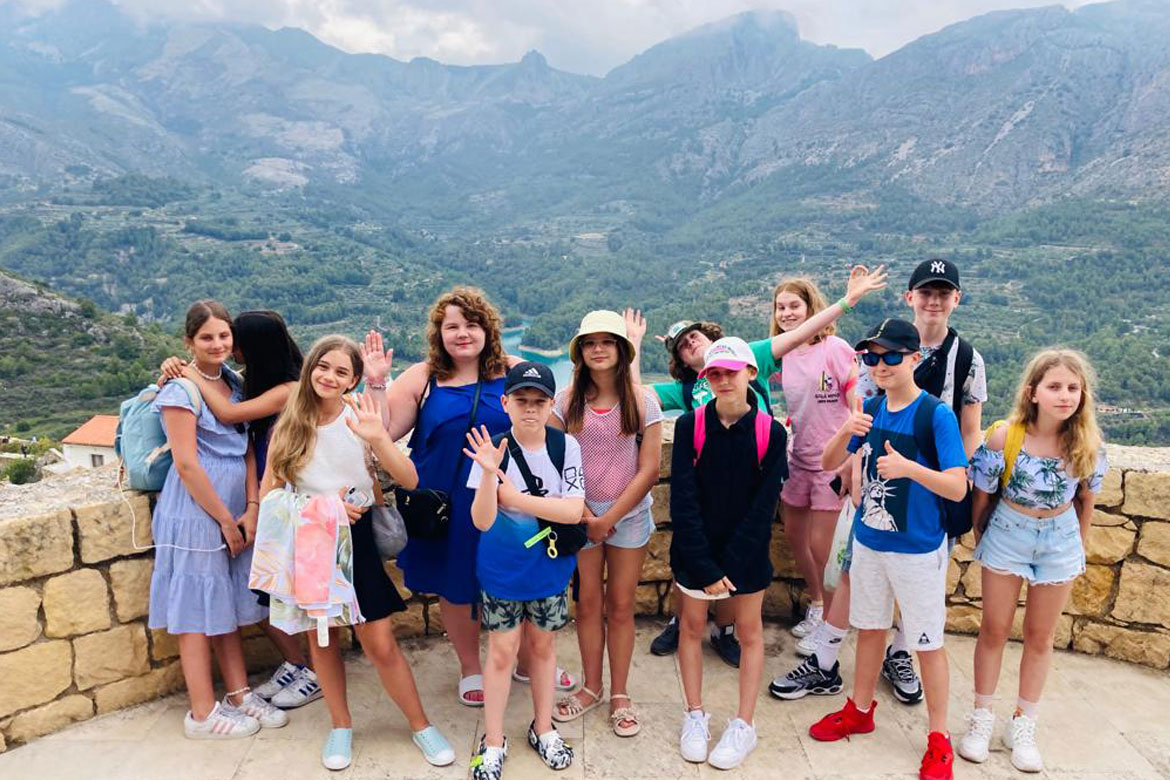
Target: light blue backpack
141,442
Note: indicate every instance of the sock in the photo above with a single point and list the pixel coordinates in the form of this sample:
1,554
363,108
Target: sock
1028,708
983,701
864,710
899,642
829,641
547,737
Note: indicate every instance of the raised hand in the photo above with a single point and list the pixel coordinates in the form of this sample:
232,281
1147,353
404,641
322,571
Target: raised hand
893,465
367,419
859,423
635,325
377,363
483,452
862,282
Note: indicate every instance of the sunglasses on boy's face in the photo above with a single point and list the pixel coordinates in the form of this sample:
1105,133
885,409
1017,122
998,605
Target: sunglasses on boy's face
871,359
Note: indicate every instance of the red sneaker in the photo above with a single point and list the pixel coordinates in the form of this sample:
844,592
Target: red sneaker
938,763
839,725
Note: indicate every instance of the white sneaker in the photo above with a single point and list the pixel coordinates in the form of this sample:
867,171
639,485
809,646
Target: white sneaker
736,744
1020,738
302,690
269,716
812,619
284,674
806,646
221,723
976,743
695,736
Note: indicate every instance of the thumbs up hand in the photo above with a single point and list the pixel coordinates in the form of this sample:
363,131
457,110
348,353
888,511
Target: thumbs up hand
893,465
859,422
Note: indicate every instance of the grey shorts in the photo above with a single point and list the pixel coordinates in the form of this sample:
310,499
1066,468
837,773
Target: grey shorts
547,614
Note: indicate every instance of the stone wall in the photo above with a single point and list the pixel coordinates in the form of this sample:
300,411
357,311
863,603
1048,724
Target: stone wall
74,588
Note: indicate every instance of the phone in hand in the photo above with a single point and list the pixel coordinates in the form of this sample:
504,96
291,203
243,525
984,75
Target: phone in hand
835,485
357,498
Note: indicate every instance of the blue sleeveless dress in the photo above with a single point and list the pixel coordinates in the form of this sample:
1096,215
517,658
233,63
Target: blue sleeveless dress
446,567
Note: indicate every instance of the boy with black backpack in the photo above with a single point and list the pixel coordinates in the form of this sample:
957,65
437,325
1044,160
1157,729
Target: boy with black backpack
952,371
529,498
912,463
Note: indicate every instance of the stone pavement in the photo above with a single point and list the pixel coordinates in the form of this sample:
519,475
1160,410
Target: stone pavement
1100,719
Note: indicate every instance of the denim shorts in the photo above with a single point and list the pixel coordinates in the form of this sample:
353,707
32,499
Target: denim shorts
631,532
1044,551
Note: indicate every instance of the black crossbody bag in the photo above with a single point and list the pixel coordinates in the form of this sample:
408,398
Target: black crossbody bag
427,512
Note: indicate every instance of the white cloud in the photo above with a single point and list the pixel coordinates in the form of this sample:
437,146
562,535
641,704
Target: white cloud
586,36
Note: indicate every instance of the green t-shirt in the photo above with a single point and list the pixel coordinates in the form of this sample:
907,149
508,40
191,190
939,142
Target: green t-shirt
670,394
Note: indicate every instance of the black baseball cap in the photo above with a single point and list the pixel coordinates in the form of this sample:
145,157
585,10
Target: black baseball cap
531,374
893,334
933,271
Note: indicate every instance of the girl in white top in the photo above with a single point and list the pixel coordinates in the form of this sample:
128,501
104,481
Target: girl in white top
606,411
317,448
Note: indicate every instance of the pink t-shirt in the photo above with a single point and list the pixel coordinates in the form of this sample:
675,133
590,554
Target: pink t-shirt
608,457
815,378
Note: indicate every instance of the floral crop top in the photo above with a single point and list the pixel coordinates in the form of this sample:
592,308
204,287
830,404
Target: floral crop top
1036,482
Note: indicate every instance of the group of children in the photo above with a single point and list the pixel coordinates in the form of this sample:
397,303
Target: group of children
558,485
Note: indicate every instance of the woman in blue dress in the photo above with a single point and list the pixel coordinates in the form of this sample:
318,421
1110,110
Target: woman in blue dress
203,525
435,398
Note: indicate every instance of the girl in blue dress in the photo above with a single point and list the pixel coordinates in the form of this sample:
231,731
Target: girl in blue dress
203,526
435,398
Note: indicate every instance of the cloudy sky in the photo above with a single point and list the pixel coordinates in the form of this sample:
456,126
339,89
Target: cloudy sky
585,36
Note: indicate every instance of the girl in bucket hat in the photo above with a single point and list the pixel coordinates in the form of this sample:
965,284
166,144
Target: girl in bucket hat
608,413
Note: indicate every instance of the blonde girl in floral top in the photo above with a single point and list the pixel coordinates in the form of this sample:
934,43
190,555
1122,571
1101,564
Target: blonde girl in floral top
1035,531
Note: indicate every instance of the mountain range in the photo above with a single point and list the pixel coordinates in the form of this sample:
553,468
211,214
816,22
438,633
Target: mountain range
1005,110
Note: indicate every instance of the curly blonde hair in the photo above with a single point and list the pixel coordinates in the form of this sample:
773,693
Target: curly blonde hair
476,308
1080,436
807,290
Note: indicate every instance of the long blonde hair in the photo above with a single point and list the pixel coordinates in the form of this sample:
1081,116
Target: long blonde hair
1080,438
295,433
805,289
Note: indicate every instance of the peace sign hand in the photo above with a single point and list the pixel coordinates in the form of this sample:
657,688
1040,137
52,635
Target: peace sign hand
377,364
483,452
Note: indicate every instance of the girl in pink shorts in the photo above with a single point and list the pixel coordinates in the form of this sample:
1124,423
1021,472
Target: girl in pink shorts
818,379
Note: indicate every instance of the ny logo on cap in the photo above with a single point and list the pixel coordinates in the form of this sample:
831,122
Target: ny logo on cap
938,267
533,372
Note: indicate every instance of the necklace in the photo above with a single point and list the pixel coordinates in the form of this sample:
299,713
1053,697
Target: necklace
208,377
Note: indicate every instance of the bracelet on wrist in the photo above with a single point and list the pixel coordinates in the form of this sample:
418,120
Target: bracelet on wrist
376,385
253,501
844,304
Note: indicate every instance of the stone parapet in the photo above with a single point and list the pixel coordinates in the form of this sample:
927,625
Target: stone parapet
75,576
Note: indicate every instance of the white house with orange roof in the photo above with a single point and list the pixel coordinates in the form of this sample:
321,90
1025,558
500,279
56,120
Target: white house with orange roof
92,444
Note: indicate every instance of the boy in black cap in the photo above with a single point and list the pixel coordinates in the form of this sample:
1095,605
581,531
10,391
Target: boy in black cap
952,371
911,459
522,573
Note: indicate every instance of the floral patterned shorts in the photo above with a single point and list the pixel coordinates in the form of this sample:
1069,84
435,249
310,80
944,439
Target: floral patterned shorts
547,614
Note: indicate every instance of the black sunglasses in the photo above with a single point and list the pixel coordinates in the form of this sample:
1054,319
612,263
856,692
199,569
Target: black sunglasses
871,359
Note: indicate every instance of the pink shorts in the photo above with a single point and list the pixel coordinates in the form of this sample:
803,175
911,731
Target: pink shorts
808,488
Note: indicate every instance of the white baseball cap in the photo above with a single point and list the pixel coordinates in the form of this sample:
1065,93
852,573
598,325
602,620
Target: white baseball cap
729,352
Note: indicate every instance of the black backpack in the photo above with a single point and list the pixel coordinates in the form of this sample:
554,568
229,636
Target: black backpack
562,539
931,373
957,519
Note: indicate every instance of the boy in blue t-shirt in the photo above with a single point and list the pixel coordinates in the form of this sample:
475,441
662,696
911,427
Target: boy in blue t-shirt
900,547
521,580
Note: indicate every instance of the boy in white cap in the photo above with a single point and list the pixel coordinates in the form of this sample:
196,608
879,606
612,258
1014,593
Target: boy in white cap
728,465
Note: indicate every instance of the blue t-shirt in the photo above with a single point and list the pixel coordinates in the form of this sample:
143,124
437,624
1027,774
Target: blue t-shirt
900,515
505,567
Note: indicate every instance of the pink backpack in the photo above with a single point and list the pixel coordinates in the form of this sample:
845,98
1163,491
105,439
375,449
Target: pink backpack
763,433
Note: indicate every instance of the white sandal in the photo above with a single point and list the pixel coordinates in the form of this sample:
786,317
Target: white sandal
470,684
628,714
564,680
572,706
